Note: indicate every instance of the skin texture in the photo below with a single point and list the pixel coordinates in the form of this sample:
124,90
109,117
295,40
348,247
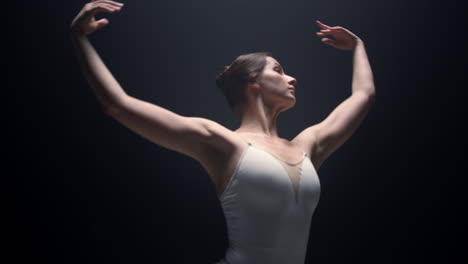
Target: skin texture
213,145
343,38
272,94
85,23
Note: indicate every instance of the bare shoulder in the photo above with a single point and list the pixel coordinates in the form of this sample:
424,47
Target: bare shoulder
221,139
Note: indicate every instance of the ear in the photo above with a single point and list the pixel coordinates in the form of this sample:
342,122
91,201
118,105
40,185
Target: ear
254,86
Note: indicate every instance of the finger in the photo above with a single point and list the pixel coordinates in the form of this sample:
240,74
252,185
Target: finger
324,32
102,23
111,7
101,8
322,25
101,1
116,8
329,41
107,7
117,4
112,4
321,34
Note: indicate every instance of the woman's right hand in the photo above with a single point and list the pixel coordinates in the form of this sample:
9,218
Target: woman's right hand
85,23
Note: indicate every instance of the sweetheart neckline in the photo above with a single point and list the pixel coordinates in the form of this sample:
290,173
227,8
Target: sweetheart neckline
242,157
294,185
276,157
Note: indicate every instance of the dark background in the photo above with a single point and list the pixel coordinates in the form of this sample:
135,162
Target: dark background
84,189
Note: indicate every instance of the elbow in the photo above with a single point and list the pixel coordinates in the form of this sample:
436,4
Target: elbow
368,95
372,92
372,96
367,90
111,111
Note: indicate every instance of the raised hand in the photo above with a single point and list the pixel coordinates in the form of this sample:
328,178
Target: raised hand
85,23
343,38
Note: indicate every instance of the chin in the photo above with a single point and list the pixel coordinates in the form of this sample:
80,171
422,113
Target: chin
290,104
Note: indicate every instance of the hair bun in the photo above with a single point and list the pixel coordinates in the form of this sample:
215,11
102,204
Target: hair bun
222,70
220,74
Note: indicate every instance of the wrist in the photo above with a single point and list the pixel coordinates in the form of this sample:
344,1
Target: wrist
76,35
359,42
76,32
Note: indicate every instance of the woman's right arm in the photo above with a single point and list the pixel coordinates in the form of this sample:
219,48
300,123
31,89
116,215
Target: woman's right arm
192,136
100,79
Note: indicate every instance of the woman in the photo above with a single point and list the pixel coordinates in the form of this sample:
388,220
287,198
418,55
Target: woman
268,186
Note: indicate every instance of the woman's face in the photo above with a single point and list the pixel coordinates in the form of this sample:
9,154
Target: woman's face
277,87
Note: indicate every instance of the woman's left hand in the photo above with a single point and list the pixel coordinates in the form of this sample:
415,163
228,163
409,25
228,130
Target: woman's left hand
343,38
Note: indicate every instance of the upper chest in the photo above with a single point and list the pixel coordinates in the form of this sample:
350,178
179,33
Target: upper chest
259,172
288,154
284,150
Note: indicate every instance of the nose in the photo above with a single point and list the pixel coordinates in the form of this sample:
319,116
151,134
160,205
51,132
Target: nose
293,81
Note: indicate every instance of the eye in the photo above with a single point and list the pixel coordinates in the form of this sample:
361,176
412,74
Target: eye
278,70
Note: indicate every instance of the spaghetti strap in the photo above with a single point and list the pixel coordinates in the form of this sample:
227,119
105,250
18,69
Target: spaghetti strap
278,158
304,154
246,141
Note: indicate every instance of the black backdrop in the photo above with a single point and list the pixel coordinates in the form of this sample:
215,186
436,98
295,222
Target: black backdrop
84,189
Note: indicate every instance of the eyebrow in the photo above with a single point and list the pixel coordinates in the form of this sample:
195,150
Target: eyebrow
277,64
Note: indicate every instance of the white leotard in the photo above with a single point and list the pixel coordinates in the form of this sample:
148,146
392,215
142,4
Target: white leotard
268,205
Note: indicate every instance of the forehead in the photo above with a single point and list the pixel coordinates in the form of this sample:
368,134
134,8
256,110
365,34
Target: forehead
272,61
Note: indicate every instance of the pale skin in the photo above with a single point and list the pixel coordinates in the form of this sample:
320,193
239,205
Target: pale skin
214,146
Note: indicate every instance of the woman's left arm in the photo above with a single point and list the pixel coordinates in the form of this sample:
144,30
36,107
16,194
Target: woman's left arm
363,81
326,137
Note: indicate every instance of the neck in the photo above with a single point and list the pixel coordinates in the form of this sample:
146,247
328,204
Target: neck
260,119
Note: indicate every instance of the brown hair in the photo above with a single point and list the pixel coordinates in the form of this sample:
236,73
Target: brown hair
233,79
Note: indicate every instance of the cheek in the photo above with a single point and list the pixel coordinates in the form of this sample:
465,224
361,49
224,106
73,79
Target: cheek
272,82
